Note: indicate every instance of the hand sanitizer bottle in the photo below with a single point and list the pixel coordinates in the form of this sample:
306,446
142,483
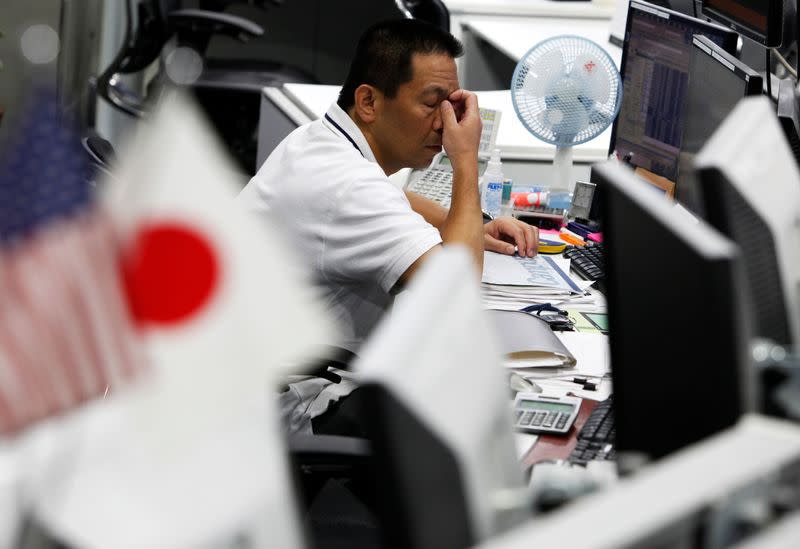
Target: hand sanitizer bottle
493,185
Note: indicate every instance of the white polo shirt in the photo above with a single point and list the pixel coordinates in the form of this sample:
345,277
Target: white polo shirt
354,226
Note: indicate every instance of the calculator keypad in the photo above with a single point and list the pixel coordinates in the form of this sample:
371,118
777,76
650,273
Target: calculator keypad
541,419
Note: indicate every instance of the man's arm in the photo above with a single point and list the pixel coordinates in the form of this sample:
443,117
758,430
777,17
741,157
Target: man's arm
462,223
430,210
505,235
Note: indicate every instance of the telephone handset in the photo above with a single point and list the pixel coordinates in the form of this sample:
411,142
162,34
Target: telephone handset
436,181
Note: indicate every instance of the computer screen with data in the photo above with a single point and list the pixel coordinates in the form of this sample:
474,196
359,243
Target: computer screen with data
717,82
655,71
678,329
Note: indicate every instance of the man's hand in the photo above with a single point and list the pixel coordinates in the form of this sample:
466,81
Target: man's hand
461,124
503,233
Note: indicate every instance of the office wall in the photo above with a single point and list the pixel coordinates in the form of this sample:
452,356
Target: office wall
17,74
77,23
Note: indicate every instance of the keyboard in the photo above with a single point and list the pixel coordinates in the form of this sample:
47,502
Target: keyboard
588,261
596,438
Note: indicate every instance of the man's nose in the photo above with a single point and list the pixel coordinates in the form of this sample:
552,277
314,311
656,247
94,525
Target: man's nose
438,124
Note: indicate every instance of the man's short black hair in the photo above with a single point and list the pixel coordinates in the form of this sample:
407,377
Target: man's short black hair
384,52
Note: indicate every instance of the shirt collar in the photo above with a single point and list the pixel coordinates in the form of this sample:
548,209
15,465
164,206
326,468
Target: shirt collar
344,126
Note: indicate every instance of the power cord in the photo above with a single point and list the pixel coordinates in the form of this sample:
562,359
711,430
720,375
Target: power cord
782,60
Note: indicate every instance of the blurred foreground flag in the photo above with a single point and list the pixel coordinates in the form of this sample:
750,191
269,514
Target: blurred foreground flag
197,457
65,331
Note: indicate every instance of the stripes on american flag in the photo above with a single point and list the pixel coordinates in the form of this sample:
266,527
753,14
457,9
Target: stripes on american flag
65,331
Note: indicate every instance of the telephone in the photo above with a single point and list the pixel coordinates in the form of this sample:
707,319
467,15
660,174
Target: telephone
436,181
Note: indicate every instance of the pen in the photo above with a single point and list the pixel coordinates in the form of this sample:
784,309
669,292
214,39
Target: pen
571,238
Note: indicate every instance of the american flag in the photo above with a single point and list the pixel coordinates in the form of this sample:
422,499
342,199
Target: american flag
65,330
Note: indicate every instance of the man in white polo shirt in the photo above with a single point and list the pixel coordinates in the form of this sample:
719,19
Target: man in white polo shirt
327,184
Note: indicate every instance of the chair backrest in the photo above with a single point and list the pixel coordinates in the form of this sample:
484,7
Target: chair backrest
432,11
336,43
146,33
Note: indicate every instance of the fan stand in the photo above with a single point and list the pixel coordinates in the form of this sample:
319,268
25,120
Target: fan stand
562,169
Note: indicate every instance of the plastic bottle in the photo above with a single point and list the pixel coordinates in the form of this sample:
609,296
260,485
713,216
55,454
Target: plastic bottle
506,208
559,200
493,185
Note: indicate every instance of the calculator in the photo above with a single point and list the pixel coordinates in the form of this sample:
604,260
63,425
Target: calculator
545,415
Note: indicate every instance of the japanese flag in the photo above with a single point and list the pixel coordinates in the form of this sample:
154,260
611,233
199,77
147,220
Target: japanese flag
193,454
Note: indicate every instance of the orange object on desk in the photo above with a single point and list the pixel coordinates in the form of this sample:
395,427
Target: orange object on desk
569,239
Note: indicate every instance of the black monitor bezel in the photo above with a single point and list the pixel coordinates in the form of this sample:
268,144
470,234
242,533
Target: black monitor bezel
771,39
752,81
684,366
729,45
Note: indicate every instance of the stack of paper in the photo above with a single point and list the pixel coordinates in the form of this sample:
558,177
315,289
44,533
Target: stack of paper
513,282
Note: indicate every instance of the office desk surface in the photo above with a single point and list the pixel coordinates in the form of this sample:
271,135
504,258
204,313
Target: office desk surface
513,139
516,37
532,8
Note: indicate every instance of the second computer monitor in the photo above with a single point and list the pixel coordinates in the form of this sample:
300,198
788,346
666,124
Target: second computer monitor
655,67
751,190
717,82
678,331
760,20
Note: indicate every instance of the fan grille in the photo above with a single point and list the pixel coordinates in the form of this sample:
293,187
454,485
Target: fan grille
566,90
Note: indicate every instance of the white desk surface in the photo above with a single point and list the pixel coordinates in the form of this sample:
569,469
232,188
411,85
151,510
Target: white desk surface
516,37
530,8
513,139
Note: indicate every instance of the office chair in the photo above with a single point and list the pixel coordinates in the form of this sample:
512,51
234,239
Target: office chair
336,44
228,92
432,11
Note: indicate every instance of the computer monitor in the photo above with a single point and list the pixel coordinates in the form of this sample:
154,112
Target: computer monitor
678,330
655,67
717,81
436,404
788,111
751,191
759,20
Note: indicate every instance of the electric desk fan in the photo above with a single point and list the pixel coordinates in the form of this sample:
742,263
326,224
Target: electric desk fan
566,90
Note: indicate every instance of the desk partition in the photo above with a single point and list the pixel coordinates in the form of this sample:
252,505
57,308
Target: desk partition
526,159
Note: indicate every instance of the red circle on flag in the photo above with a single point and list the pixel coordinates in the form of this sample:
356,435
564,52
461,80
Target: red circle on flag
170,274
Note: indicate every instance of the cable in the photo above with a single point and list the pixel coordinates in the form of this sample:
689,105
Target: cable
768,75
782,60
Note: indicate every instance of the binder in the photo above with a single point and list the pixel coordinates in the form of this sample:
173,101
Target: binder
528,342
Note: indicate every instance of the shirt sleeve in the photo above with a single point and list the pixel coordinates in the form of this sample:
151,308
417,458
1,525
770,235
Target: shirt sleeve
374,235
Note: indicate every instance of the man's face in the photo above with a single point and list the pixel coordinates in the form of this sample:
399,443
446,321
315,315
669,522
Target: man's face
408,128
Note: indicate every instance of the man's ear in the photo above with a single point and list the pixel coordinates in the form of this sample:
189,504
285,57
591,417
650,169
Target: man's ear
367,102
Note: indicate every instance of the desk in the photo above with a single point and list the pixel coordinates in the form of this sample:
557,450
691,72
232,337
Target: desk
525,158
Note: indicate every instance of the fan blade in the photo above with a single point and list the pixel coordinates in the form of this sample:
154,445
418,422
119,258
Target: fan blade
598,117
543,70
573,121
589,70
